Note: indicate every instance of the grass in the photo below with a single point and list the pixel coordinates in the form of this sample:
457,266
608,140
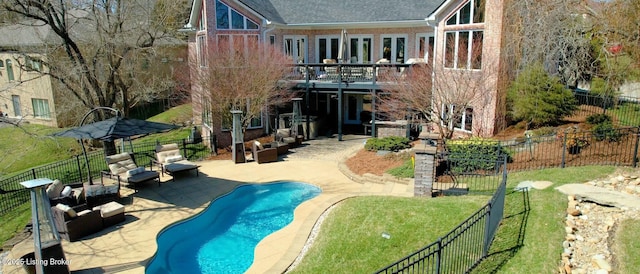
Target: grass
628,114
351,241
30,146
626,246
528,240
14,221
530,236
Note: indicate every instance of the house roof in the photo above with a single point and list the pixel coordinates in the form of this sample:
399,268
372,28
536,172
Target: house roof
308,12
313,13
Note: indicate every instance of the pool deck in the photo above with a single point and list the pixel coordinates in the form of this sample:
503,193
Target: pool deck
126,247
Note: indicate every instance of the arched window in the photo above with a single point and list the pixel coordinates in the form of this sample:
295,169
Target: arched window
9,70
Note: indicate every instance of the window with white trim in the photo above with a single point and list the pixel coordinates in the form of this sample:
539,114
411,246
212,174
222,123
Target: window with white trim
272,40
464,36
41,108
360,47
456,118
240,43
295,46
201,44
425,44
327,47
228,18
394,48
33,64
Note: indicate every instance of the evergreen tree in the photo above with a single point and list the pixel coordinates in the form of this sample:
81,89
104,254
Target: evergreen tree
539,99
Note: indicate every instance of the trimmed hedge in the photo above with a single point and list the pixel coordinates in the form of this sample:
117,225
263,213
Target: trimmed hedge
392,143
473,154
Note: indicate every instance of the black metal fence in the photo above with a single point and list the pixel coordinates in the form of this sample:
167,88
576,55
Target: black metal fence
618,147
464,247
75,169
625,109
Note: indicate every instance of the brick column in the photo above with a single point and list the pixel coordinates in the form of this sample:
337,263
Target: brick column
425,166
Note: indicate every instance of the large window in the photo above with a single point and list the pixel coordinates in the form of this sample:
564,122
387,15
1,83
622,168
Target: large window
394,48
327,47
360,49
33,64
41,108
458,118
464,37
201,45
471,13
240,43
228,18
296,47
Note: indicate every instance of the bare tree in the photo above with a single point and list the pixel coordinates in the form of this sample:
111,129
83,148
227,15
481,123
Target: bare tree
448,98
102,52
244,77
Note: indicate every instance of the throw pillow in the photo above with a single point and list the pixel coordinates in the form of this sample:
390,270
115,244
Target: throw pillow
66,191
54,189
67,209
135,171
173,159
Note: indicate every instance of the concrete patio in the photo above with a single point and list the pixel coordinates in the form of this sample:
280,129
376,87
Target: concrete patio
126,247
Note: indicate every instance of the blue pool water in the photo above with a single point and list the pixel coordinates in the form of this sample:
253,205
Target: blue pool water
222,238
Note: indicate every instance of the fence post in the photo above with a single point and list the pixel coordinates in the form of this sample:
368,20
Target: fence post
439,252
564,148
184,148
79,168
635,150
33,173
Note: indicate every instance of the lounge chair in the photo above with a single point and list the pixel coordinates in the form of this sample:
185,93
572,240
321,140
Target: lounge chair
170,161
123,168
262,154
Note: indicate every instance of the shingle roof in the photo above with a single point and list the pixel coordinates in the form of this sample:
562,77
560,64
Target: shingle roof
342,11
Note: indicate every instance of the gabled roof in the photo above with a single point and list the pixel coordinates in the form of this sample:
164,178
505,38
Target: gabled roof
302,12
314,13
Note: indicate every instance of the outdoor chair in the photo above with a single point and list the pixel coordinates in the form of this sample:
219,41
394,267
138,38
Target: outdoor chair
65,194
170,161
262,154
123,168
76,222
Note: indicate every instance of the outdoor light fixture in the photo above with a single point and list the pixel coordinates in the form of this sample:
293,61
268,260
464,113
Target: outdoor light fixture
237,138
49,257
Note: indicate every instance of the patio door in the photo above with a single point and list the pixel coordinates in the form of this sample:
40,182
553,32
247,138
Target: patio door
352,109
394,48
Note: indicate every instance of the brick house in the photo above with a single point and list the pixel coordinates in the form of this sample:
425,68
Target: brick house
441,33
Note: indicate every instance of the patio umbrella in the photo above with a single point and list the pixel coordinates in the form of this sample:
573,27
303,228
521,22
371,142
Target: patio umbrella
115,128
342,48
110,129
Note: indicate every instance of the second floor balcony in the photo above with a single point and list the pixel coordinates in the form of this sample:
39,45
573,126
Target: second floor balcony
349,76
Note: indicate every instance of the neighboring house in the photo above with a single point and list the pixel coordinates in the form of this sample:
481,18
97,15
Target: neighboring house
28,93
443,33
24,92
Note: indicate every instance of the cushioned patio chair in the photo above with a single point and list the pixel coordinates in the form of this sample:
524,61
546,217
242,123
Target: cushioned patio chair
170,161
263,155
123,168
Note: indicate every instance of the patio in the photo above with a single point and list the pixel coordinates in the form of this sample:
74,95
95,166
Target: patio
126,247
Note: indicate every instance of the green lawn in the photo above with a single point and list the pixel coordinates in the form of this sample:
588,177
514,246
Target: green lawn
351,237
628,114
528,241
626,246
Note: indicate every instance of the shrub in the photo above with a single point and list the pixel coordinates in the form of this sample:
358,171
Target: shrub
600,118
538,98
543,131
468,155
606,132
392,143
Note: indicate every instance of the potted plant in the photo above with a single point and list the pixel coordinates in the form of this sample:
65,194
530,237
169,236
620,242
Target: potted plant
575,141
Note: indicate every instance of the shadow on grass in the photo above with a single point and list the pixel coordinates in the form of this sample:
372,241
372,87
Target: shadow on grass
510,236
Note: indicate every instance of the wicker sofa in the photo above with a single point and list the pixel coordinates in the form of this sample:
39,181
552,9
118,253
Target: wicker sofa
76,222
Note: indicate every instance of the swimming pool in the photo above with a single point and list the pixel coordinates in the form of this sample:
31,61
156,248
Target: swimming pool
223,237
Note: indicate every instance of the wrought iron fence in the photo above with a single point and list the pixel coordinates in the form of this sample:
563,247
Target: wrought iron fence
617,147
464,247
74,170
625,109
